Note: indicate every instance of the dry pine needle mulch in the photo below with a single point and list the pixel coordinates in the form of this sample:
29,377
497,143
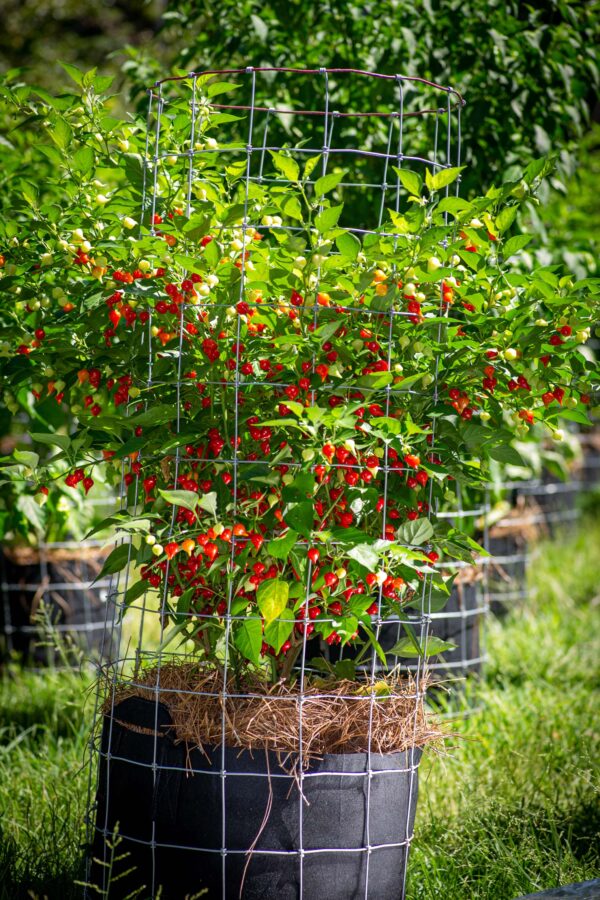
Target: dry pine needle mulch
336,715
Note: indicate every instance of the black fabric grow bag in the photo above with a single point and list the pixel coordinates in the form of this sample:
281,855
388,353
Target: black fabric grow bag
75,608
507,572
177,809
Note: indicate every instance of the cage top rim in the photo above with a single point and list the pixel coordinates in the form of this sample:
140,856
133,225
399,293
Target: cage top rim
321,71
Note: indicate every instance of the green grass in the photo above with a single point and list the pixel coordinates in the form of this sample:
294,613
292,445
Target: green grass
513,807
509,808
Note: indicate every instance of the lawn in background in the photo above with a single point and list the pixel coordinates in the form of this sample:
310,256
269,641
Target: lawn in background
511,806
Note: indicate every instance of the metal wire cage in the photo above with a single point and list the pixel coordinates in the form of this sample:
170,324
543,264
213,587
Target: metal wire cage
269,819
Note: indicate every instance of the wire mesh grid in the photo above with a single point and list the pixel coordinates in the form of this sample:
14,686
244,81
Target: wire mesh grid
249,824
53,602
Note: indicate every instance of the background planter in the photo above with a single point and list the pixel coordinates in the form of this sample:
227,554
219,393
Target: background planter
172,825
557,500
51,590
506,571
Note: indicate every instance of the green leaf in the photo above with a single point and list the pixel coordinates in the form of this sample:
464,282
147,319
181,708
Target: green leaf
280,548
328,218
221,87
183,605
248,639
349,246
208,502
365,555
454,205
272,598
26,504
310,166
516,243
61,134
134,173
442,178
505,218
416,532
278,631
186,499
504,453
300,516
212,254
405,647
288,167
73,72
410,180
291,207
55,440
116,560
83,160
136,590
303,484
26,458
327,183
345,669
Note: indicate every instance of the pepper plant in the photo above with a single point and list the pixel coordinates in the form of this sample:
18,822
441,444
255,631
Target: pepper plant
286,402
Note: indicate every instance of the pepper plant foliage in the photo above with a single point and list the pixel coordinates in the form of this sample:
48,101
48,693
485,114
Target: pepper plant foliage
285,406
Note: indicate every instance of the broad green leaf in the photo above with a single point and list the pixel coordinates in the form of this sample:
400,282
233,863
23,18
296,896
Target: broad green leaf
278,631
291,207
410,180
349,246
183,605
186,499
116,560
212,254
248,639
365,555
34,514
405,647
328,218
505,218
454,205
516,243
303,484
300,516
416,532
272,598
280,548
73,72
310,166
136,590
327,183
504,453
208,502
55,440
61,134
83,160
288,167
442,178
221,87
26,458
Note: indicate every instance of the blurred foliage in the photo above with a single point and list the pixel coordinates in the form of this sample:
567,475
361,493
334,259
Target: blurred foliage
529,72
36,34
568,223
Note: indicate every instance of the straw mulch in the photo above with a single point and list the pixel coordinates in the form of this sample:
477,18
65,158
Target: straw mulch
337,716
30,556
